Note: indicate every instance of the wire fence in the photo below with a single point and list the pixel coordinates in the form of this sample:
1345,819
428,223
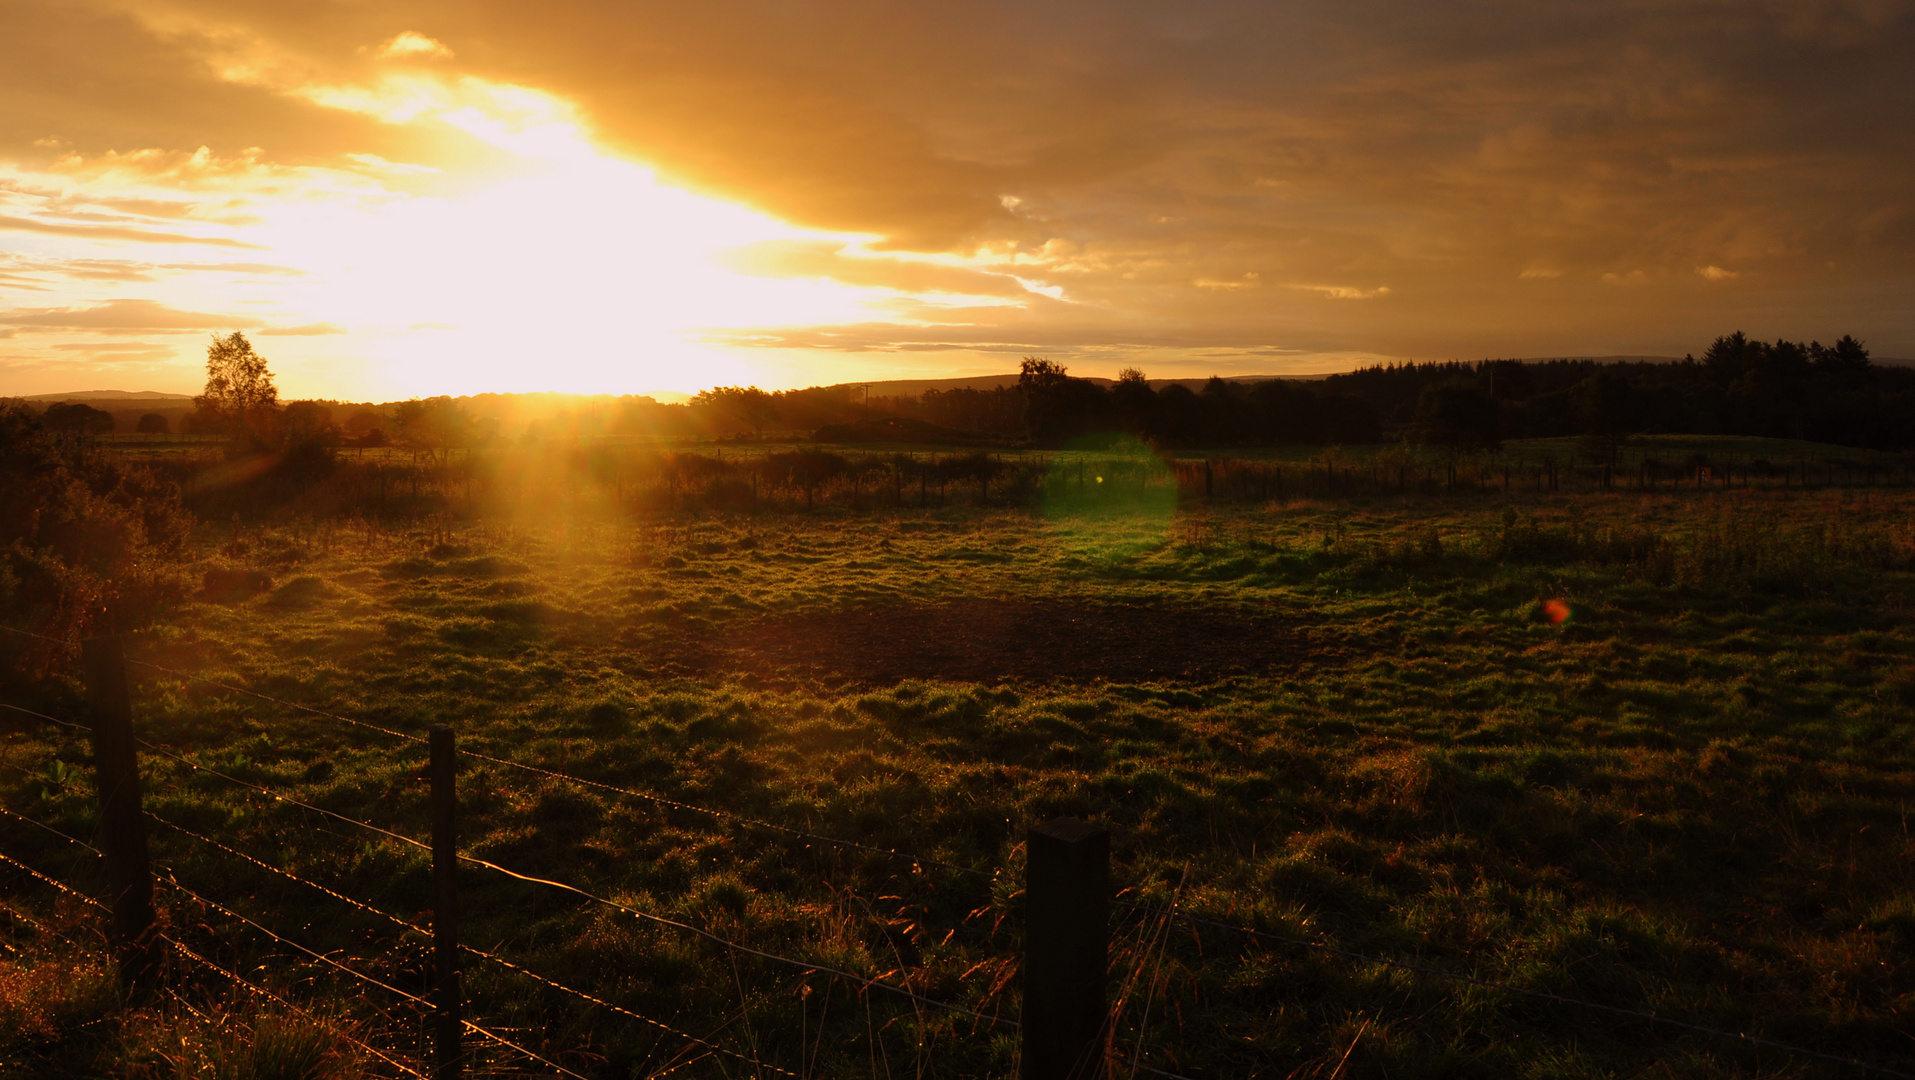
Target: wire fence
690,1047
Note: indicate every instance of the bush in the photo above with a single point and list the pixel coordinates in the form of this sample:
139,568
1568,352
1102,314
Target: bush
83,542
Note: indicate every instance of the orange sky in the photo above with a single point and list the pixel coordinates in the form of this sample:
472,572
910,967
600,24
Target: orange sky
417,197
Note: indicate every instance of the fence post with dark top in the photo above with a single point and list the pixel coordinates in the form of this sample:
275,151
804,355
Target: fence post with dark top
1066,950
445,907
129,876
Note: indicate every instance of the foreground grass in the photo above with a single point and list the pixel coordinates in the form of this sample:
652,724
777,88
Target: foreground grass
1652,752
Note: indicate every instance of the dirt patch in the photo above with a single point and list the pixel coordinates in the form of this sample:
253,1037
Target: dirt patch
990,639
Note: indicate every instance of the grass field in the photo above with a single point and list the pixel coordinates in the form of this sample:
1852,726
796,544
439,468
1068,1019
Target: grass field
1650,749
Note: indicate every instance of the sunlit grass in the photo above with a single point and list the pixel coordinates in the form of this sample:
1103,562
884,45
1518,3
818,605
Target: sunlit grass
1651,750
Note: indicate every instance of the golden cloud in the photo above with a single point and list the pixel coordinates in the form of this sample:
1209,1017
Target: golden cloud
1141,158
824,259
123,317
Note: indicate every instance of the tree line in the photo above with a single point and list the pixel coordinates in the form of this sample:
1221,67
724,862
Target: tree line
1739,386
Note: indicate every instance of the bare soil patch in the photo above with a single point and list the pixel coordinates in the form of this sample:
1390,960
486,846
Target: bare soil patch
987,639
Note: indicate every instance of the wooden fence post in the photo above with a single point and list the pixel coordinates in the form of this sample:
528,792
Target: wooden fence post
116,770
445,907
1066,950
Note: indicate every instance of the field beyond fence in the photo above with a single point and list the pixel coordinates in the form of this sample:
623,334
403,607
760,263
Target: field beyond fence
1558,780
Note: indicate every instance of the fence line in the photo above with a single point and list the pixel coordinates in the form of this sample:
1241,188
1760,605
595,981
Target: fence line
481,953
290,876
806,965
270,996
873,984
602,1003
55,882
173,881
870,984
43,825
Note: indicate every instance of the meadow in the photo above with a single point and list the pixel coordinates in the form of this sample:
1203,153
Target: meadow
1646,746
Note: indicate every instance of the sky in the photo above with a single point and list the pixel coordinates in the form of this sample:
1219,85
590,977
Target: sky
423,196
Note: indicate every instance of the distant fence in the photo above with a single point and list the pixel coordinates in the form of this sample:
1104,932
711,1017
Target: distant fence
1065,1029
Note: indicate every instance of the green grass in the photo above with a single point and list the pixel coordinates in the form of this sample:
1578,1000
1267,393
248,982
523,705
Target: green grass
1690,796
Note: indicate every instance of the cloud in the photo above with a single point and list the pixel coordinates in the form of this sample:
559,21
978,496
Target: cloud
305,330
1715,273
112,347
824,259
411,45
238,268
115,232
1143,159
123,317
1344,292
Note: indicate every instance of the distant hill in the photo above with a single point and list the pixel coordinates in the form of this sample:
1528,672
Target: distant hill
110,395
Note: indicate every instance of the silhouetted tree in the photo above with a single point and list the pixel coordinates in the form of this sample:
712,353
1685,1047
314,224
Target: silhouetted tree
240,400
1608,415
435,425
1459,416
153,424
77,418
1058,407
741,405
1846,355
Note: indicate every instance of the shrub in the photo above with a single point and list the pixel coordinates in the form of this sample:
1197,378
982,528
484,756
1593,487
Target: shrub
83,542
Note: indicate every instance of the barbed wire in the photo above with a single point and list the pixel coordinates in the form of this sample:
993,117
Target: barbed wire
368,725
728,815
290,876
662,800
411,998
270,996
805,965
554,774
601,1002
287,799
43,825
44,716
481,953
173,881
874,984
55,882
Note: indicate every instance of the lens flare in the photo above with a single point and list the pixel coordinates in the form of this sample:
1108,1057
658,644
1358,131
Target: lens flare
1557,612
1110,497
